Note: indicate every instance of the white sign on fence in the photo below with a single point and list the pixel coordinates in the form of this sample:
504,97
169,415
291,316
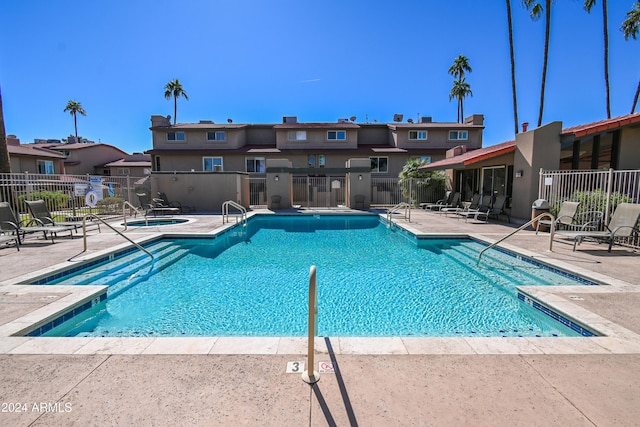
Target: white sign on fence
548,180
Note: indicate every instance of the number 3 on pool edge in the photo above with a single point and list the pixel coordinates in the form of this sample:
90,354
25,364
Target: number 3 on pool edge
296,367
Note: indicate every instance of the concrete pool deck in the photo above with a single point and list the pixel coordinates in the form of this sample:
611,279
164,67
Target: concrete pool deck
399,381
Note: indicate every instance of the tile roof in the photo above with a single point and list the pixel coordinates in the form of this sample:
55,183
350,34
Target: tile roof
474,156
602,126
28,150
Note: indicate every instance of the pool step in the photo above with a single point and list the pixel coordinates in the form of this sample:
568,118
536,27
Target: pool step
122,283
126,265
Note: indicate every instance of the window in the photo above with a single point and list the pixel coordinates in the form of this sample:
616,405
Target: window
176,136
212,164
45,167
458,135
157,163
316,160
297,135
337,135
425,159
418,135
124,171
255,164
379,164
216,136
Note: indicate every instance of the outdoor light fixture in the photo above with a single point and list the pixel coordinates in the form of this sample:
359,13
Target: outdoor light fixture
359,177
518,174
276,178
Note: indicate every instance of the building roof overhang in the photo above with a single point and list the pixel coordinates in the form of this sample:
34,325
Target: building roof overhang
469,158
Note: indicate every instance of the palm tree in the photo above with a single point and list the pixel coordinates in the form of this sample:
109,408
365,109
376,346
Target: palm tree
460,90
513,68
630,28
588,4
174,88
5,163
74,108
535,11
457,70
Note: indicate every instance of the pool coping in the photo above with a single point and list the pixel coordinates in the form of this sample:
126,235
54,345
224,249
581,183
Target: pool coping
613,339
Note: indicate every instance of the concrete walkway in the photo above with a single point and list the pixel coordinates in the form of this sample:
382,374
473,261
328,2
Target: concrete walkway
472,382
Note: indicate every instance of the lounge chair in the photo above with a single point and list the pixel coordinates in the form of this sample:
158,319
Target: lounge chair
447,200
162,198
6,239
481,210
9,224
623,223
454,202
565,218
42,216
472,206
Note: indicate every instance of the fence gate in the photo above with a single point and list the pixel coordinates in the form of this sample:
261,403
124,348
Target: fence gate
319,191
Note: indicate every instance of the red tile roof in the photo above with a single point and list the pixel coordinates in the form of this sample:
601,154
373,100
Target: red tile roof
473,156
601,126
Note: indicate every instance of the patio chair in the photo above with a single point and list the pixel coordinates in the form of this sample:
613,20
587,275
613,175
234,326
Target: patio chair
473,205
9,224
454,202
7,239
623,223
42,216
162,198
565,218
481,210
447,200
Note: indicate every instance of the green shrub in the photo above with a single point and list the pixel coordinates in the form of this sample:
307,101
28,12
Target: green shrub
597,200
110,205
55,200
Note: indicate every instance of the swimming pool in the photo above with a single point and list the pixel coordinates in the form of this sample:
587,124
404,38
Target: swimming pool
372,281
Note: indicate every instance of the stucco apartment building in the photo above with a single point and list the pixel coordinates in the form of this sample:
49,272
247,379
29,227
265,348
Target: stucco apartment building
312,148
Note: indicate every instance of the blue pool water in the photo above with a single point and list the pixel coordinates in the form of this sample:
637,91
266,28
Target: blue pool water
372,281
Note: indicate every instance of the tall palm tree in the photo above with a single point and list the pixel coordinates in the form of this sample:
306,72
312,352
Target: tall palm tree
75,108
174,88
630,27
457,70
460,90
588,4
513,68
5,163
535,10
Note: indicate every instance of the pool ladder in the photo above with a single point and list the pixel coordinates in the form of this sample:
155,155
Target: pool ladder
225,212
522,227
137,211
396,208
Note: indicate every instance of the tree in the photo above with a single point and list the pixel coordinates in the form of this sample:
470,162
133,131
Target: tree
460,90
513,68
535,10
75,108
630,28
5,163
588,4
174,88
420,185
457,70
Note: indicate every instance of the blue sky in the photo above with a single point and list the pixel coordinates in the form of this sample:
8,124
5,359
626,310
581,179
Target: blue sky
257,60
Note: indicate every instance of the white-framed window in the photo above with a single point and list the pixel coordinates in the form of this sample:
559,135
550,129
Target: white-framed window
297,135
124,171
458,135
176,136
379,164
45,167
255,164
316,160
336,135
212,164
418,135
216,136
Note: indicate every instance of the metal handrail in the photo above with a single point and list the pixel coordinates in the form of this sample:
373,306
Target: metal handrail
225,212
542,215
124,214
94,216
407,211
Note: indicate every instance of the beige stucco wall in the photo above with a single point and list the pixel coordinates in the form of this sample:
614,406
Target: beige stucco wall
317,139
535,149
197,139
22,164
206,191
438,138
282,187
629,148
358,183
89,157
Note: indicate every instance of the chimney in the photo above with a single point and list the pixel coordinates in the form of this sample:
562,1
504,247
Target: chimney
525,125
